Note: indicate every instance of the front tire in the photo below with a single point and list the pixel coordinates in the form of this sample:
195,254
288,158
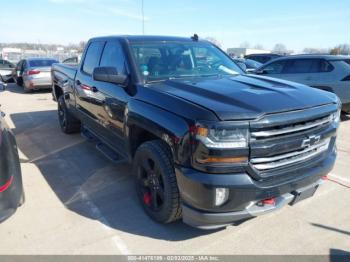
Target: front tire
69,124
156,181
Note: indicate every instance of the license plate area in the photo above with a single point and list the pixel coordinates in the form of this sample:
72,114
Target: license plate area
303,193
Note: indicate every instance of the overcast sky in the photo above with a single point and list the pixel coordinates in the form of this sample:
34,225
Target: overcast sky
295,23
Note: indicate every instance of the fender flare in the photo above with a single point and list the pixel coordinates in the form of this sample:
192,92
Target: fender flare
169,127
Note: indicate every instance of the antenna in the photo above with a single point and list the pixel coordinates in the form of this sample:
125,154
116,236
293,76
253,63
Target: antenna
195,38
143,18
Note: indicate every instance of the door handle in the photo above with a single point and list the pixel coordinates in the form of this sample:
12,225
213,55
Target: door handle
94,89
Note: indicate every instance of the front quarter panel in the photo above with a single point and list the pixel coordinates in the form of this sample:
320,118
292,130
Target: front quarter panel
172,129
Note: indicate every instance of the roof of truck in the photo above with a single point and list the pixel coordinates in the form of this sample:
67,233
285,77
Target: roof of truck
148,38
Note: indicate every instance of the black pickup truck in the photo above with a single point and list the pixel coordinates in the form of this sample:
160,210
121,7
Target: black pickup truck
209,144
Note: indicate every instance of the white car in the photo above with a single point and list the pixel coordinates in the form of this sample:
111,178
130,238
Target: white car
326,72
6,69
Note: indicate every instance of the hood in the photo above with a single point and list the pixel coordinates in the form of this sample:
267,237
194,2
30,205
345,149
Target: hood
246,96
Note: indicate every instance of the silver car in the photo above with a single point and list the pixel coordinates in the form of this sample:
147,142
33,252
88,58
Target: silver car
34,73
326,72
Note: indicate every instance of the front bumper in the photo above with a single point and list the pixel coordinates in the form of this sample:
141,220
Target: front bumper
198,193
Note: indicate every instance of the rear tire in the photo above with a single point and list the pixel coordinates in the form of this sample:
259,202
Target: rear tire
26,89
19,81
69,124
156,181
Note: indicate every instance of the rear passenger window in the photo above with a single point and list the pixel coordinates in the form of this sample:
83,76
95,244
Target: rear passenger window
324,66
259,59
92,57
302,66
113,56
347,61
263,60
298,66
274,68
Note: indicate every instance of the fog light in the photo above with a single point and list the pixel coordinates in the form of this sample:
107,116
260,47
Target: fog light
221,196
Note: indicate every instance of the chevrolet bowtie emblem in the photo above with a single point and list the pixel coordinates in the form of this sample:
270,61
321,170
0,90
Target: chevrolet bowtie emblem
310,141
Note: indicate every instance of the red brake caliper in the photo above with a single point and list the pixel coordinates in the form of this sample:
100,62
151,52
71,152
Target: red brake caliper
147,198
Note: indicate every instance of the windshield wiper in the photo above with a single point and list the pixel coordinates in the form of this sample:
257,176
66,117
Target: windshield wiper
191,76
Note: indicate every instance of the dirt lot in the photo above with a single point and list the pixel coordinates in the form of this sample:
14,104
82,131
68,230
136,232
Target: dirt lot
78,202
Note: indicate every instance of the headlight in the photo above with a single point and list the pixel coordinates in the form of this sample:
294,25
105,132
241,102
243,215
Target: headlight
336,116
220,145
223,136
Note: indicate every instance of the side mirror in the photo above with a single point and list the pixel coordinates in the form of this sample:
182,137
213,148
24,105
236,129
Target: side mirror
259,72
251,71
110,75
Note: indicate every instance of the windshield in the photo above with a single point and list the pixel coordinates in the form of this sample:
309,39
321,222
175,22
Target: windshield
171,60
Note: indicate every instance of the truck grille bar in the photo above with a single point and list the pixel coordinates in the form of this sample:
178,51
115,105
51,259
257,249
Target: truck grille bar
290,158
292,128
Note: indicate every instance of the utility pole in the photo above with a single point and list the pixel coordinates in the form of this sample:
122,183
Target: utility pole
143,18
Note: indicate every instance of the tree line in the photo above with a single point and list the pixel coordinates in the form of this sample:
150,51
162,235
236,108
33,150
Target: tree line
279,48
44,47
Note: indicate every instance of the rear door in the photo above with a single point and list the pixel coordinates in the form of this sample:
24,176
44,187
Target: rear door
321,75
86,97
311,71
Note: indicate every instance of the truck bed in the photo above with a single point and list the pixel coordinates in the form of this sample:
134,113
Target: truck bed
62,72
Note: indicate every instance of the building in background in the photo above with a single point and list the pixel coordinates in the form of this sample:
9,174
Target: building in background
16,54
11,54
242,51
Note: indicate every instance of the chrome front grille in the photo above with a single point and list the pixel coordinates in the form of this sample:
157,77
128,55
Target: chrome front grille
286,139
292,128
265,163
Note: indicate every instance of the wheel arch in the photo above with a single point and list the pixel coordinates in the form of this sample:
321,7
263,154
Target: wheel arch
146,122
57,91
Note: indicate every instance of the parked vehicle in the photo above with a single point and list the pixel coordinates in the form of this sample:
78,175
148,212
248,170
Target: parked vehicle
207,142
6,69
326,72
34,73
11,189
2,83
262,58
247,65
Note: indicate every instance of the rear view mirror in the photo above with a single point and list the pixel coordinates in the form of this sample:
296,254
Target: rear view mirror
110,75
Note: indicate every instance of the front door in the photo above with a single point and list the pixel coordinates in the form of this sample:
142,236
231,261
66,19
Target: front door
110,110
